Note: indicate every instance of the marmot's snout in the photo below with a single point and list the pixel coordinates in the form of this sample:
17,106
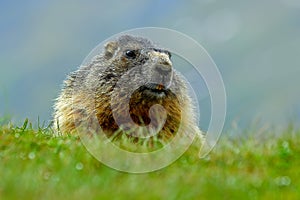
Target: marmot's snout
161,69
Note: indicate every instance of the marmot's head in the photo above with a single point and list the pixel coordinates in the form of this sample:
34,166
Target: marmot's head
139,64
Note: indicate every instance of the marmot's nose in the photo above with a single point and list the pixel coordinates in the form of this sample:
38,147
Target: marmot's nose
164,65
163,69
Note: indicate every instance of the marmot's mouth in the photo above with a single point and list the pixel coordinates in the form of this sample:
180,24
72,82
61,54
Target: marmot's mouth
153,89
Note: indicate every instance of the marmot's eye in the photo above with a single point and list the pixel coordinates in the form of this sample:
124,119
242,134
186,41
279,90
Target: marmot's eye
130,54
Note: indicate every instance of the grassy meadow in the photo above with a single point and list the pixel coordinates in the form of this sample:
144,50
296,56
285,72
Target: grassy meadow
36,165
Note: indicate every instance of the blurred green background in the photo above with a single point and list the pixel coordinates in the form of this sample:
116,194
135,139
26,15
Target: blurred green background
255,44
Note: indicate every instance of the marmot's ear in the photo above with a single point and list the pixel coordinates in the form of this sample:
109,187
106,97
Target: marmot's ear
110,49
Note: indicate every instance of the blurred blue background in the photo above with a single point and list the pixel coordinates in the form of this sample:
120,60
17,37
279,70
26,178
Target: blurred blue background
255,44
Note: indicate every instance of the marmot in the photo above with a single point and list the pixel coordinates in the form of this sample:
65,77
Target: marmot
119,87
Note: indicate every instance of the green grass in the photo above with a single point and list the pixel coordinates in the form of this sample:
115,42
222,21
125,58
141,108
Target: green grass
36,165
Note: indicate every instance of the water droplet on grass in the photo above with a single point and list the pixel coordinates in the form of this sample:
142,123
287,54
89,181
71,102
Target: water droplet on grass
283,181
79,166
31,155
